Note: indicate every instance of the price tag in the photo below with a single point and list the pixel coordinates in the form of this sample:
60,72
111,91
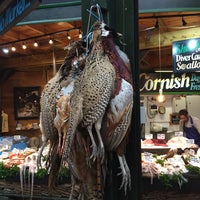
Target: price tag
178,133
148,157
170,160
190,141
194,159
192,152
148,154
4,154
149,136
161,136
17,137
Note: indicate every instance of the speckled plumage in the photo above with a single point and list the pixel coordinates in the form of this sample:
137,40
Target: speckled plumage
65,74
90,97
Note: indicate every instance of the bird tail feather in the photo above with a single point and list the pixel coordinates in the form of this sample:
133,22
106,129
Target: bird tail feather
75,117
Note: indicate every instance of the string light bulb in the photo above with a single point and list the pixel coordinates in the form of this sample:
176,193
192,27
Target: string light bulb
68,36
50,41
80,35
24,46
13,48
35,44
5,50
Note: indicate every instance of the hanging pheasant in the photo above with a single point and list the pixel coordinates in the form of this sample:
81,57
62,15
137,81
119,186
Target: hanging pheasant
48,104
90,97
117,119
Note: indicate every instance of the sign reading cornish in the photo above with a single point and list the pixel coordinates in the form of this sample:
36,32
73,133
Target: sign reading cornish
186,55
15,12
170,83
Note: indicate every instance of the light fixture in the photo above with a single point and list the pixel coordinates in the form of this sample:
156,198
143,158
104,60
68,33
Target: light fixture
80,35
24,46
160,97
163,70
184,23
50,41
5,50
68,36
35,44
13,48
156,24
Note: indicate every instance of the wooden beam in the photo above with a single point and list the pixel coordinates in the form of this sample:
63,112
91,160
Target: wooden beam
167,38
33,60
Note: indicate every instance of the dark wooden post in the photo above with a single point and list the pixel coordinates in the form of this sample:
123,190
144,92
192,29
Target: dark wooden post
122,15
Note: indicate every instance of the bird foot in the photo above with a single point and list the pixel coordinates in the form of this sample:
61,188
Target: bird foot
97,152
101,153
94,152
126,181
125,172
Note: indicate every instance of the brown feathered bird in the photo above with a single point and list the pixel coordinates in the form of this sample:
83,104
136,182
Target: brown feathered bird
117,119
48,104
90,97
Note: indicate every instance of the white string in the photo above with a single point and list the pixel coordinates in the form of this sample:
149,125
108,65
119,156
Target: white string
99,18
88,25
159,51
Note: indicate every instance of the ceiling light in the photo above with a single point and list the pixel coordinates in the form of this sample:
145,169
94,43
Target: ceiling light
68,36
24,46
5,50
184,23
163,70
13,48
80,34
50,41
35,44
161,98
156,24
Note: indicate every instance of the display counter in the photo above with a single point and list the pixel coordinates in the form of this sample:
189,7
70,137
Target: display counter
173,165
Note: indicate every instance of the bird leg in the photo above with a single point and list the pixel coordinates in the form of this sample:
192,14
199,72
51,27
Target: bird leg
94,146
126,175
64,138
59,142
40,154
101,150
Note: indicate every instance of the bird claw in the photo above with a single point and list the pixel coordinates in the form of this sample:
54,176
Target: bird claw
97,152
126,182
94,153
101,153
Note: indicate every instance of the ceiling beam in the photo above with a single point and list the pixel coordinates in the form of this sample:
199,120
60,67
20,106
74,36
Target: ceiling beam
34,60
167,38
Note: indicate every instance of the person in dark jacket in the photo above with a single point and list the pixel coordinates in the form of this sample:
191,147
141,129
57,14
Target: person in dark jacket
190,126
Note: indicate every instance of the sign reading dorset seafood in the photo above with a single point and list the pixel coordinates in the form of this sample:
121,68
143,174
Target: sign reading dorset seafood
186,55
170,83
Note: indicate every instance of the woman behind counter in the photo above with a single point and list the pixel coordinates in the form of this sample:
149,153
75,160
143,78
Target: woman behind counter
190,126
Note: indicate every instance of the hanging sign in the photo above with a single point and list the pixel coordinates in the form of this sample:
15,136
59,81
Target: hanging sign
15,12
170,82
186,55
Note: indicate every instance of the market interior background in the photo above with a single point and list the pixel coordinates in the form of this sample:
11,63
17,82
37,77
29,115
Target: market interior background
31,53
39,58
